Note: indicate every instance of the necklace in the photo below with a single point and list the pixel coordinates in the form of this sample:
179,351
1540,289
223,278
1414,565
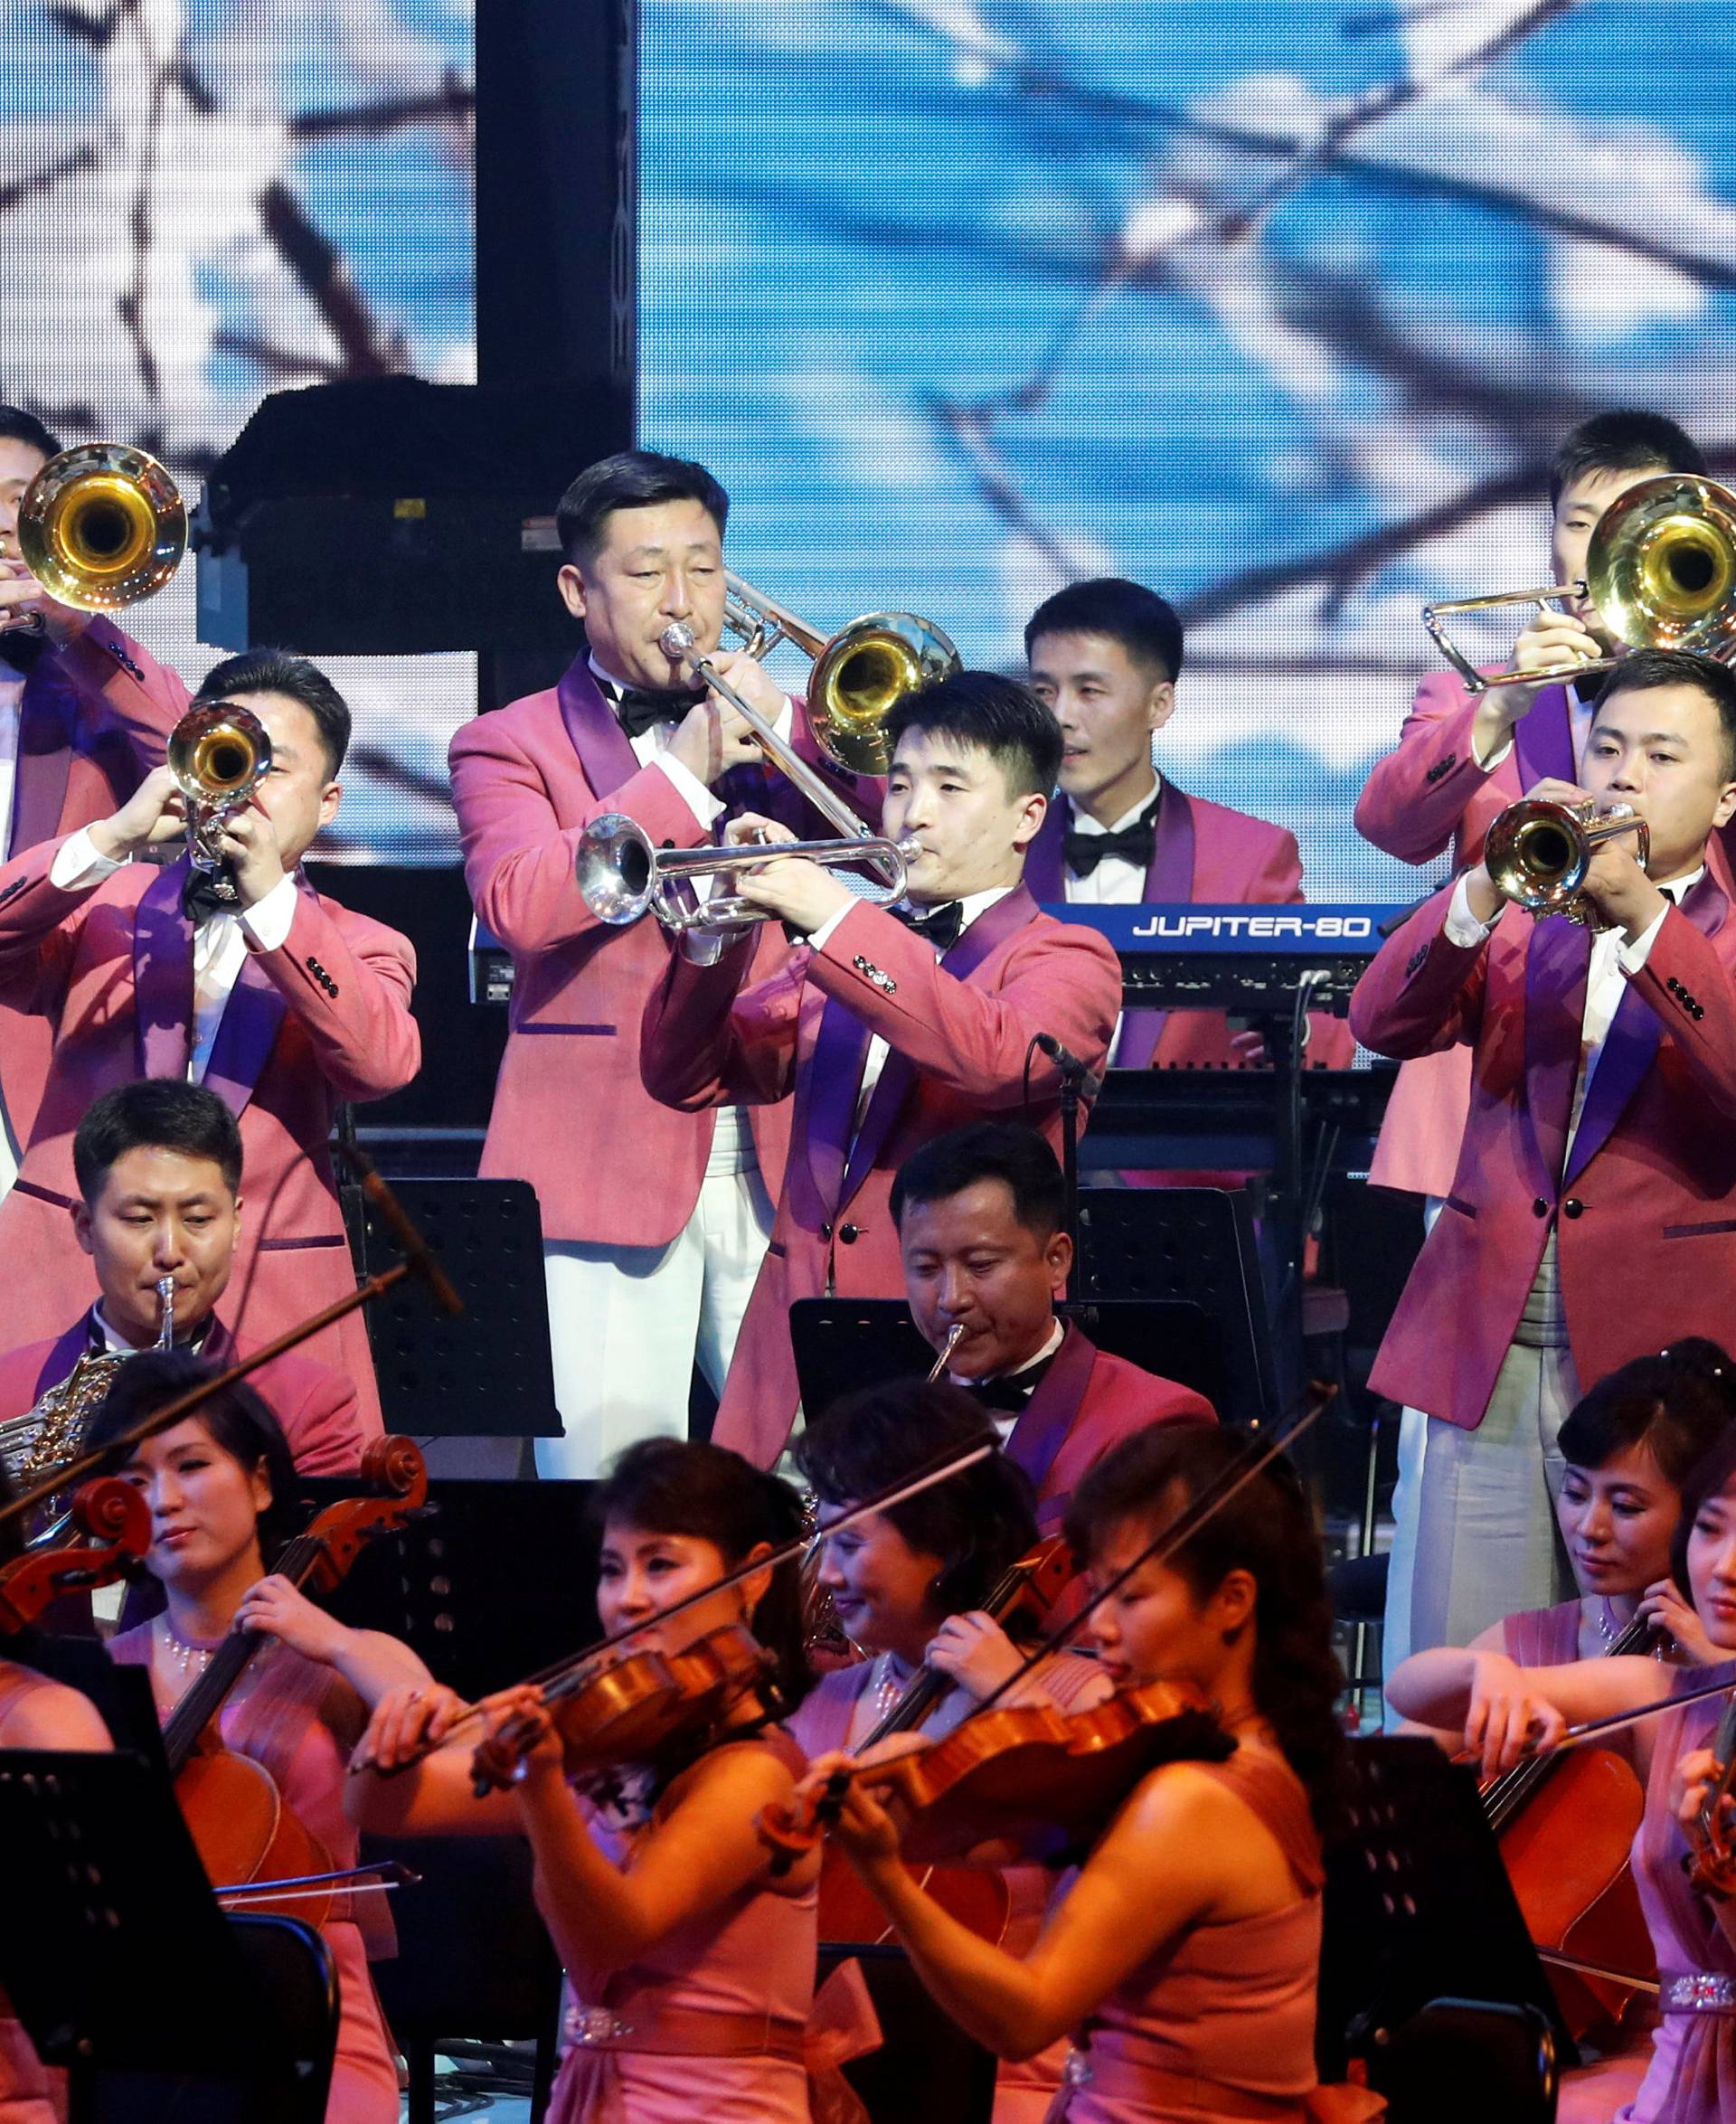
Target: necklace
188,1660
1606,1622
887,1684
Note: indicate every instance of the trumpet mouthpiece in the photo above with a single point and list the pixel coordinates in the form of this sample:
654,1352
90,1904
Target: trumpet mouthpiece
676,639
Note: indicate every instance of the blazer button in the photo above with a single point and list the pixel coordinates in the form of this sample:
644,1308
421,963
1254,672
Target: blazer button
1572,1207
849,1234
1540,1208
825,1232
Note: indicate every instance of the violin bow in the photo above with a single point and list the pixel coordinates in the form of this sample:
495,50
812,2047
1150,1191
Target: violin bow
419,1261
1613,1722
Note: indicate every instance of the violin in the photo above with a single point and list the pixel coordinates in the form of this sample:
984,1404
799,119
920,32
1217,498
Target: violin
1565,1824
242,1828
1021,1601
1712,1868
1033,1783
637,1707
116,1521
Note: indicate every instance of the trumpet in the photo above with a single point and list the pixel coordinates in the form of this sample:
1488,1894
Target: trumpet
218,753
1661,569
101,526
1537,852
622,875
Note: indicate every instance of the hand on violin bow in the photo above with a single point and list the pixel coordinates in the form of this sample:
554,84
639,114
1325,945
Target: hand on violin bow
1505,1723
974,1651
407,1722
519,1744
1675,1622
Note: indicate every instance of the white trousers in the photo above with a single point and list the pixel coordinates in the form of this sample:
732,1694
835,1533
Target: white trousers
627,1324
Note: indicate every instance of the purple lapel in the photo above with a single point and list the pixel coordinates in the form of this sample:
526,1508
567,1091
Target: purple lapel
44,761
245,1036
1041,1429
1555,974
1542,740
163,976
218,1345
56,1366
604,752
1632,1042
1169,881
825,1111
990,930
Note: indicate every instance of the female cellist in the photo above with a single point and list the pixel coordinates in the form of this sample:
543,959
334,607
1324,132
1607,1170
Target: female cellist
1183,1956
1508,1711
35,1712
221,1485
690,1957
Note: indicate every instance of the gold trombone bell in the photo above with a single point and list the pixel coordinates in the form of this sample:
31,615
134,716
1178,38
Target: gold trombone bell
1661,569
101,526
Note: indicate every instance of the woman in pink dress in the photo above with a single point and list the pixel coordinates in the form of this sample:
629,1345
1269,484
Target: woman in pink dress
1182,1956
690,1959
35,1713
222,1487
1506,1712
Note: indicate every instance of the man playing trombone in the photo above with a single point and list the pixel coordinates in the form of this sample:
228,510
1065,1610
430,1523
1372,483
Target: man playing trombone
653,1221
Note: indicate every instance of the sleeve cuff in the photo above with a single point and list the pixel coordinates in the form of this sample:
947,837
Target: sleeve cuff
268,922
78,867
706,807
819,937
1632,956
1461,926
1495,758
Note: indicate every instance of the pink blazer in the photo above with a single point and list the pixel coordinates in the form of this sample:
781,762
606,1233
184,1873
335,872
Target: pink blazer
610,1166
959,1031
1086,1402
94,719
1205,852
324,1019
315,1405
1642,1211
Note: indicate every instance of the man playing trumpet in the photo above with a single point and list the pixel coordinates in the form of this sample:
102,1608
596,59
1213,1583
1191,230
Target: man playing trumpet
1589,1217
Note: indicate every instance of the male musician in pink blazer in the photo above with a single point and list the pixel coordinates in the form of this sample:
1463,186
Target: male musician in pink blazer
85,714
159,1171
1589,1219
283,1002
979,1214
1105,656
653,1221
885,1035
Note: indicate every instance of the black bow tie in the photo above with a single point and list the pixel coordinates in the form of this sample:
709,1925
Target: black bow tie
22,649
1084,852
638,710
1011,1393
940,926
202,896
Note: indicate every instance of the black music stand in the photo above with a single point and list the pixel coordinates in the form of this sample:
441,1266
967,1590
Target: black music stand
843,1344
1420,1927
127,1974
487,1372
1194,1245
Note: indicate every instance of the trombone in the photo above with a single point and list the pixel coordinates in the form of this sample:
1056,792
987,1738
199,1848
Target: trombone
1538,852
1661,569
218,753
100,526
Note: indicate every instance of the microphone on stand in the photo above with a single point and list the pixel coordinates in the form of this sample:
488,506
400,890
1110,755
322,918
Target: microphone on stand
1086,1082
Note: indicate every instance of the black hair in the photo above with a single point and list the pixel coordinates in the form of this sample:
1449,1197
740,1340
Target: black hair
1147,627
979,1523
631,479
987,1150
18,426
1676,1404
668,1485
1645,668
996,715
278,671
240,1423
1265,1528
158,1113
1625,440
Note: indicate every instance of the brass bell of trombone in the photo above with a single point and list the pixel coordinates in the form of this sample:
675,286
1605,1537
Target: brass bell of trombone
1538,850
101,525
1661,569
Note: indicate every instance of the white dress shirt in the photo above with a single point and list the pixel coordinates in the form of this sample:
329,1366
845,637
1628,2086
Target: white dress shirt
1613,964
1006,1419
12,714
1114,882
219,943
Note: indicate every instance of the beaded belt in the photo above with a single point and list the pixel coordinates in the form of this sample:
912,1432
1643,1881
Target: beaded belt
1120,2078
1697,1991
687,2032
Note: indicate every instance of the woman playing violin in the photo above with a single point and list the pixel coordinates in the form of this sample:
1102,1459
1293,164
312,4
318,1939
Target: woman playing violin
1182,1956
1507,1711
690,1959
221,1486
35,1712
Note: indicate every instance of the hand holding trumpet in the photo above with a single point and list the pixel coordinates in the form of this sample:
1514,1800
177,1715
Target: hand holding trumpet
796,889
